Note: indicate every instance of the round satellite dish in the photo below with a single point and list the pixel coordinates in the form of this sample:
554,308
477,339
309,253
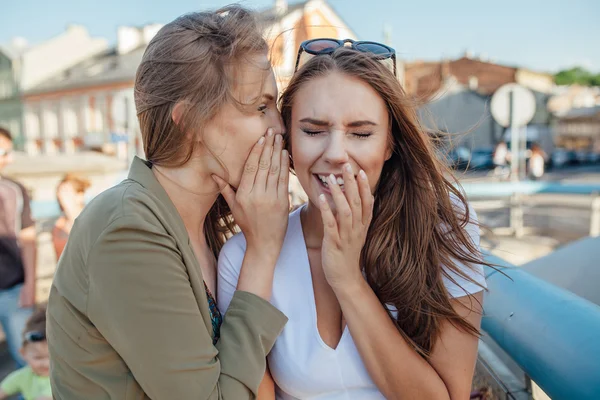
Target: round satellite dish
524,106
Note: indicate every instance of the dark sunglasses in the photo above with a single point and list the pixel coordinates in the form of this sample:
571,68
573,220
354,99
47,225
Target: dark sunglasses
321,46
34,336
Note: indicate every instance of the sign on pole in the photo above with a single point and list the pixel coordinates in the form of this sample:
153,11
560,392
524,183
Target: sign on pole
513,106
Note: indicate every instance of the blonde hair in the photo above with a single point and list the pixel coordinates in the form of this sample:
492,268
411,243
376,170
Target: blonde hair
192,61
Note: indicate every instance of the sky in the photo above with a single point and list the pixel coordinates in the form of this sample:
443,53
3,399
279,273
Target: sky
543,35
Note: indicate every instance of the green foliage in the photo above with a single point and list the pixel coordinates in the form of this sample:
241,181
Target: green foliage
577,75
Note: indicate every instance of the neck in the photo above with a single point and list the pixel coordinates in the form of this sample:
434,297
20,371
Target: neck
71,214
312,226
192,191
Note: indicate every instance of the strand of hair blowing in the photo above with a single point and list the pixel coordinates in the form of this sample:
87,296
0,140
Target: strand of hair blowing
416,227
192,60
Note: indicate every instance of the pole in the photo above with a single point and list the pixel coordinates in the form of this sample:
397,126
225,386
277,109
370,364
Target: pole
514,140
516,206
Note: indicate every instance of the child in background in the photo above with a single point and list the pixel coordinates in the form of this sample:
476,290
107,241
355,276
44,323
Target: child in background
32,381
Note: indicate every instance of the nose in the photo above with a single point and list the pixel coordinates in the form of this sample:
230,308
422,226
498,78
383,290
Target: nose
277,124
335,150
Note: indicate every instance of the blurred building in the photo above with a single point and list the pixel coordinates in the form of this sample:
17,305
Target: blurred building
286,26
23,67
425,79
456,97
579,130
90,104
566,98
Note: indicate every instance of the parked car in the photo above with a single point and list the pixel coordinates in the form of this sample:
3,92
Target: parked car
458,158
563,157
593,157
482,158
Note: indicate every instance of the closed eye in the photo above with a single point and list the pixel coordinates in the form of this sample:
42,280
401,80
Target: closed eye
311,132
362,135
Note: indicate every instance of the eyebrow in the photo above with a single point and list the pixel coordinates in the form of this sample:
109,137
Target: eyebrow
358,124
316,122
264,96
353,124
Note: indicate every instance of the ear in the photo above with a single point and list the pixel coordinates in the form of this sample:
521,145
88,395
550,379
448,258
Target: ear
22,352
178,111
177,115
388,153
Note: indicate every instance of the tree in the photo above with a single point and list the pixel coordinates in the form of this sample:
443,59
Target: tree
577,75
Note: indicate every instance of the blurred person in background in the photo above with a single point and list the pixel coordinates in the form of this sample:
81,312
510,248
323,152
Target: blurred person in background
500,159
70,194
537,162
32,382
18,252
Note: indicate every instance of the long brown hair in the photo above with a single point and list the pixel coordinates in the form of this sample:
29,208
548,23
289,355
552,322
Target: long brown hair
193,60
416,227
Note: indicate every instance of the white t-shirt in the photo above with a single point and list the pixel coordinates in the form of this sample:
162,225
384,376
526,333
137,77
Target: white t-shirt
302,365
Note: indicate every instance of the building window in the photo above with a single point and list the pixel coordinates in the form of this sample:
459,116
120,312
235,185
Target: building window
69,121
50,123
32,124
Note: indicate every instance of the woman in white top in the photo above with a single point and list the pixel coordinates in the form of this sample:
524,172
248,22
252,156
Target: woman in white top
380,272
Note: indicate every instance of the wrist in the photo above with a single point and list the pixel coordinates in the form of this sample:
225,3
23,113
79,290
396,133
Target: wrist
350,286
256,275
29,282
263,254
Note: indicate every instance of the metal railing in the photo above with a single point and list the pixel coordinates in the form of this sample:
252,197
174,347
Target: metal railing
518,194
551,333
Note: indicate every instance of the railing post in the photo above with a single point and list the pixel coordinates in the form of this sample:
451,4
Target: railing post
516,214
595,217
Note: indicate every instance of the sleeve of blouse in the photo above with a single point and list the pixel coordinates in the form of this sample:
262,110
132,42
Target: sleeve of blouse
229,266
461,286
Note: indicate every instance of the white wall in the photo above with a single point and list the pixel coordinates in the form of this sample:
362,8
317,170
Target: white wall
57,54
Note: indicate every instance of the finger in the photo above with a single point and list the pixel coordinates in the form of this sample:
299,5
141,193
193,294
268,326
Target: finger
367,199
260,181
352,195
251,166
330,228
344,212
284,176
274,169
226,191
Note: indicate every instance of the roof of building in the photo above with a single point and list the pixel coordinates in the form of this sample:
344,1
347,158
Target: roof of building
583,112
105,68
272,16
424,79
9,51
111,67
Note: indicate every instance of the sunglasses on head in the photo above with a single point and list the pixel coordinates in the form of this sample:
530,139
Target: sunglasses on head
34,336
315,47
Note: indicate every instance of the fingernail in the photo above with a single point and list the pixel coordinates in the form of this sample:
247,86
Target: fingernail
333,179
269,132
322,198
362,174
348,168
278,139
261,140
